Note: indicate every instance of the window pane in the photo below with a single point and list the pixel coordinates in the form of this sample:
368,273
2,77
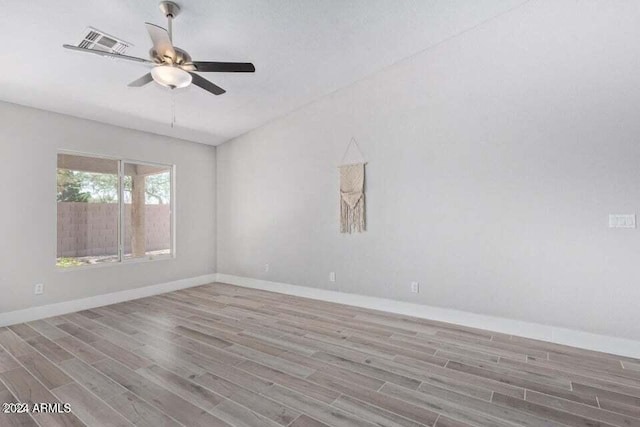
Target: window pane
147,210
88,210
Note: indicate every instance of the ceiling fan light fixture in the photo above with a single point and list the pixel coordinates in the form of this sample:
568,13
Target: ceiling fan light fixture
170,66
171,77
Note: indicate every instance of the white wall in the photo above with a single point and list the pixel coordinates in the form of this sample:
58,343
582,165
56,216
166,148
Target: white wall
494,161
29,141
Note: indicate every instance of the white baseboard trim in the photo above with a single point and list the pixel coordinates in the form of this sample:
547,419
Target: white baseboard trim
66,307
575,338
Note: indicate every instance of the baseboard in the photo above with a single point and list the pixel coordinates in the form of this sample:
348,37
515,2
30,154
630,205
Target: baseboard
575,338
66,307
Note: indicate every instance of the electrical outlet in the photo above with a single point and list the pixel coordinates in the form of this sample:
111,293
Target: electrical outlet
267,267
332,276
38,289
415,287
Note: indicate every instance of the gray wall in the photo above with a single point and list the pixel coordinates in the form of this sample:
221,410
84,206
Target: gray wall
494,161
29,141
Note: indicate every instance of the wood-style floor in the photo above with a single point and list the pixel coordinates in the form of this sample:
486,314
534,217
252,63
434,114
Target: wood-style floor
219,355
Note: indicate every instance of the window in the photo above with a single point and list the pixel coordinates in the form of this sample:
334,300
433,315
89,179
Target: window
111,211
147,210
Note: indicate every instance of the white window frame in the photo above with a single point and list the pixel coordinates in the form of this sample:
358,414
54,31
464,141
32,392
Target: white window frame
121,208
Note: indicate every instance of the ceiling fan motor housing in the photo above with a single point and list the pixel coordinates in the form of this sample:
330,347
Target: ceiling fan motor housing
181,57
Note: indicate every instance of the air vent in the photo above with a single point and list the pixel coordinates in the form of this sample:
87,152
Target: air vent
99,40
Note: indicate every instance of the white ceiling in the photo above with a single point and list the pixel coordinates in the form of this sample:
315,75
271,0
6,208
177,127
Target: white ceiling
302,50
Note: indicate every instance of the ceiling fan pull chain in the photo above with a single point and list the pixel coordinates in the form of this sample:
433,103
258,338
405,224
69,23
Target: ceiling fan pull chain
173,109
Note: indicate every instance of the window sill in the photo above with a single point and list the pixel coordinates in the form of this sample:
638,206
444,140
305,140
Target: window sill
114,264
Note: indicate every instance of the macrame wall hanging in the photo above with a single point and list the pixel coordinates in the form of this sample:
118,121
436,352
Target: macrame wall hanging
352,203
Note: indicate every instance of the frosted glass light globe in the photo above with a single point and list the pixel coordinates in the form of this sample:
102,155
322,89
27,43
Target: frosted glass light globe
171,77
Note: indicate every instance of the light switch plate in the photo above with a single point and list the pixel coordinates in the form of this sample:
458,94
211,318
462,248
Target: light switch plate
622,221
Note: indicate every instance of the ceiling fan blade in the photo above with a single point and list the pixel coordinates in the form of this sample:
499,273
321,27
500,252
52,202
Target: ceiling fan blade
206,84
161,40
107,54
147,78
224,67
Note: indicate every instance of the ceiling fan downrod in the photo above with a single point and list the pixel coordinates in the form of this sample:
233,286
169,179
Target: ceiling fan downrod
171,11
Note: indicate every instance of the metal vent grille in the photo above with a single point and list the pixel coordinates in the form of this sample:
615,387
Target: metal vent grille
99,40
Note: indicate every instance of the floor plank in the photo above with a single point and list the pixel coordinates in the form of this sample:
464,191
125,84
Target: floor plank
258,403
28,389
168,402
305,421
46,372
316,409
582,410
11,419
238,415
49,349
79,349
91,410
92,379
139,412
220,355
184,388
545,412
13,344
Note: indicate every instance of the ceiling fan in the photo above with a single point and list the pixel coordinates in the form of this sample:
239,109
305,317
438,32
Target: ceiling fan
172,66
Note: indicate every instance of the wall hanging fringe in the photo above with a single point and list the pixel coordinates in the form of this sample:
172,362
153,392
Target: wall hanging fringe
352,200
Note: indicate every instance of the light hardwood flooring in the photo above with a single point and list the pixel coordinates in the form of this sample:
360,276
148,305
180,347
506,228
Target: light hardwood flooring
220,355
